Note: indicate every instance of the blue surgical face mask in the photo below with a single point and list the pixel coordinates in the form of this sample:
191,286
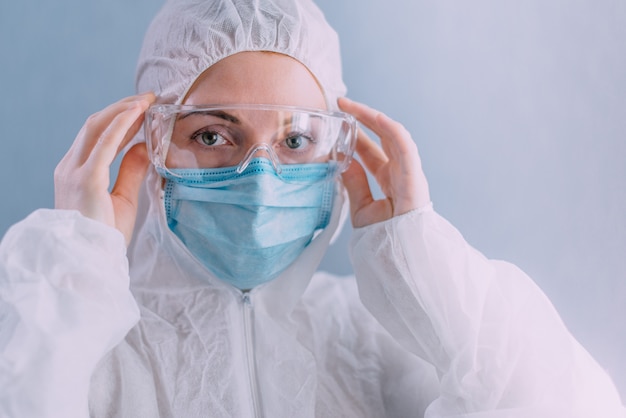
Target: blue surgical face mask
248,228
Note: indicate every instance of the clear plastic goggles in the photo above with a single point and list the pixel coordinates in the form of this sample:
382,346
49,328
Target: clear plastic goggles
216,136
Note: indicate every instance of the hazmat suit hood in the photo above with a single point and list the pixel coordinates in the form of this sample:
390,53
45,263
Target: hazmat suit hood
186,38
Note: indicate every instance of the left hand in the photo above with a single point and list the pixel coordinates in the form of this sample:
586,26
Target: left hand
396,167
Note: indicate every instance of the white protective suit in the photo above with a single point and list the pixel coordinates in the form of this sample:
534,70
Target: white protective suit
428,326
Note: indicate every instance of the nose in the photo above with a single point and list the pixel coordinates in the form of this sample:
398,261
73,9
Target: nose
263,150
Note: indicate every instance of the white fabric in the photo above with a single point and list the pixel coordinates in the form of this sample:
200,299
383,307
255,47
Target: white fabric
64,303
428,327
188,36
450,333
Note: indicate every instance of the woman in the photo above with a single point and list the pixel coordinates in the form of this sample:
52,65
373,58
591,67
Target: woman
228,207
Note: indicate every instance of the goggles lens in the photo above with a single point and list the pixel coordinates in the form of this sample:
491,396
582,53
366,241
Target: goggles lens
207,137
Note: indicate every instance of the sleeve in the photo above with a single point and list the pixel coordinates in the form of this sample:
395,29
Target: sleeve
64,303
499,347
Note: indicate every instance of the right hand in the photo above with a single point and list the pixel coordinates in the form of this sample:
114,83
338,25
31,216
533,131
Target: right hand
81,179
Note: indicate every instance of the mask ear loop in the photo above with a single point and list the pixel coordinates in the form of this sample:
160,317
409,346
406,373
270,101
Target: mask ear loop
250,155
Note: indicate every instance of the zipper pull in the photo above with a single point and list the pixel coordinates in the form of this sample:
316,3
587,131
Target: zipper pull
245,298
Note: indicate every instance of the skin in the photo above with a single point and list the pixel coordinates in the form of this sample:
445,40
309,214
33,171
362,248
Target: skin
82,177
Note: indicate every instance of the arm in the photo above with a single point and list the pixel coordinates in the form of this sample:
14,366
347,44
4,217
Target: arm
496,341
64,274
64,302
498,345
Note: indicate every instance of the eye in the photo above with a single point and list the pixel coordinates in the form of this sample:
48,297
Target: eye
294,142
209,138
298,141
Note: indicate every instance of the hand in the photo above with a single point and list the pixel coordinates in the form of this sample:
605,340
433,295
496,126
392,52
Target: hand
396,167
81,179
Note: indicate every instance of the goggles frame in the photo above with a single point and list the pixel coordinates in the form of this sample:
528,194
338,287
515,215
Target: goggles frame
160,120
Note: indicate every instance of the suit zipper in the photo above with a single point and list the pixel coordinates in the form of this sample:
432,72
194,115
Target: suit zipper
248,329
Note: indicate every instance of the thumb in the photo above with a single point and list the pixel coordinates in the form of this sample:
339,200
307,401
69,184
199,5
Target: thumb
364,210
125,193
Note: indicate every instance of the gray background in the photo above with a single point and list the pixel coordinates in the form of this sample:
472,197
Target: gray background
518,108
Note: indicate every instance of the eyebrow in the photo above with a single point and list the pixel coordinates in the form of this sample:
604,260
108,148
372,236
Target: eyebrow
217,113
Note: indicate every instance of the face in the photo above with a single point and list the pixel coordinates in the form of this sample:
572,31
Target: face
221,138
257,78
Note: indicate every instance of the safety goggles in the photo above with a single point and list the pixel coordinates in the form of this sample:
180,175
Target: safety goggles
218,136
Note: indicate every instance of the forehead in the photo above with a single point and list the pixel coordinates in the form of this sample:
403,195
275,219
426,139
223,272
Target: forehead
252,117
257,78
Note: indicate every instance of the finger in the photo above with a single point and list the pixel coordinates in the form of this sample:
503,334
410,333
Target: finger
132,132
98,122
369,118
123,127
364,114
390,136
364,210
357,185
403,146
371,154
125,193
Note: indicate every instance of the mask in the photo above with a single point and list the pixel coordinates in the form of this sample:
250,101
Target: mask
248,228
